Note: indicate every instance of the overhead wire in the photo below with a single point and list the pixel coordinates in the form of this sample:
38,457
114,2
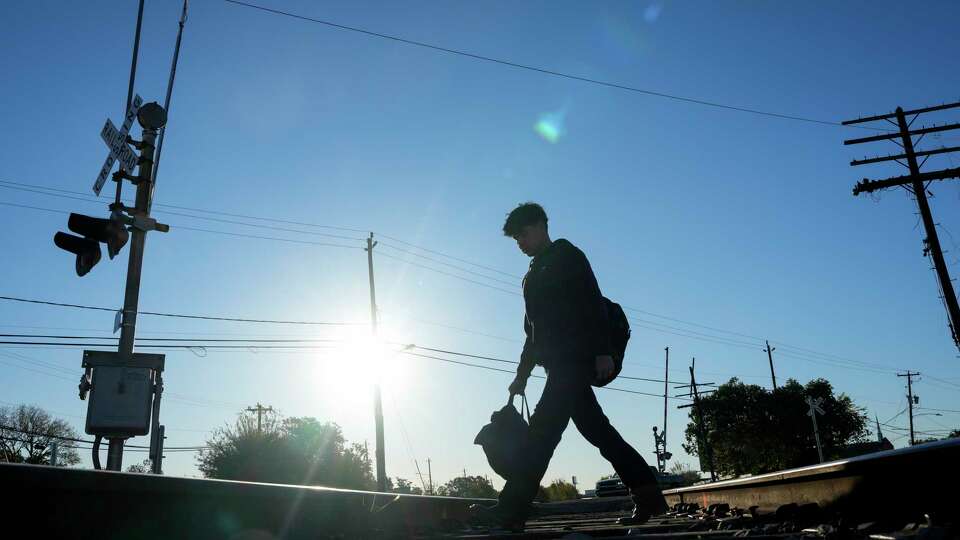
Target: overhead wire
543,70
78,440
801,352
475,282
296,345
491,368
307,242
181,315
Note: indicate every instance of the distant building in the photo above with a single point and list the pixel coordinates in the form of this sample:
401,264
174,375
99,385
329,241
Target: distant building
859,449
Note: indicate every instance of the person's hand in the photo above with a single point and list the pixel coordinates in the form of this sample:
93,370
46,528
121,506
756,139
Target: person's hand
518,385
605,367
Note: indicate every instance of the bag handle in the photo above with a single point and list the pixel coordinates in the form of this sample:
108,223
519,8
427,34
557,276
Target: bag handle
523,404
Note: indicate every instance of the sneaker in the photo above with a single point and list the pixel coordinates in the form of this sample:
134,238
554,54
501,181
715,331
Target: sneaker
644,508
497,517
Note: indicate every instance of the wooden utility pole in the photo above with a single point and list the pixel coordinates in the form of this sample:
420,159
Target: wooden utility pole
259,409
916,183
769,350
429,477
910,400
703,443
377,402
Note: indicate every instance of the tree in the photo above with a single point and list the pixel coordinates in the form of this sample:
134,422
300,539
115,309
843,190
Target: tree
246,452
302,451
684,470
752,430
561,490
141,468
406,486
474,487
28,434
953,435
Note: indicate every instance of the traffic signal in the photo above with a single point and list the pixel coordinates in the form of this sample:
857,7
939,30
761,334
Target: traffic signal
87,246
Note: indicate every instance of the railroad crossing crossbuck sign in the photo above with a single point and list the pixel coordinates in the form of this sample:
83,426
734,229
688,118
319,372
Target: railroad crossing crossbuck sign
812,413
814,406
116,140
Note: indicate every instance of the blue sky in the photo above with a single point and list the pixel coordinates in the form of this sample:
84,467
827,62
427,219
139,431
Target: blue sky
735,221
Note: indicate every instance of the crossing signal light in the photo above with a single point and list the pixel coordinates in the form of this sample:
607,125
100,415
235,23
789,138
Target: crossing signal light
92,231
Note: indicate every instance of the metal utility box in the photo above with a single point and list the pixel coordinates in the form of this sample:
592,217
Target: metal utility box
121,396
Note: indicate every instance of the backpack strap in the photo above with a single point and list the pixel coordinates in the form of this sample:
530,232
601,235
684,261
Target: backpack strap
524,406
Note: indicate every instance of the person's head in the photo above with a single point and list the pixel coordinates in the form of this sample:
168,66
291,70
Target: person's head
527,224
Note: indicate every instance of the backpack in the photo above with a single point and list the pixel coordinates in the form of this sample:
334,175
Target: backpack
619,336
503,438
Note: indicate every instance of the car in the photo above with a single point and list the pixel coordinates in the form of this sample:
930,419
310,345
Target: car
611,487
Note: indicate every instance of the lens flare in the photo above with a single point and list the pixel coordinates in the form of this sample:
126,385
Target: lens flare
550,126
652,13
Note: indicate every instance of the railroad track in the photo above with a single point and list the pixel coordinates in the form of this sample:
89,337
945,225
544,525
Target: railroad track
897,494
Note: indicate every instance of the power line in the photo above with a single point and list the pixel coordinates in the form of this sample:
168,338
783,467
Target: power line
828,359
475,282
699,335
270,227
459,329
743,345
74,439
180,315
415,254
629,308
394,239
944,381
542,70
89,198
490,368
403,428
155,346
197,229
60,369
454,353
213,340
894,417
306,242
296,345
732,341
44,190
261,237
759,339
938,410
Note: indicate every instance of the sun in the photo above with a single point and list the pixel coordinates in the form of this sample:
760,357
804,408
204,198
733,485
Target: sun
357,361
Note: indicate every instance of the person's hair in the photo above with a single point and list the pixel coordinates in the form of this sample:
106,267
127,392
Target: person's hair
528,213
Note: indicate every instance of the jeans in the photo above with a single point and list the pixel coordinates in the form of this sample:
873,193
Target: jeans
568,395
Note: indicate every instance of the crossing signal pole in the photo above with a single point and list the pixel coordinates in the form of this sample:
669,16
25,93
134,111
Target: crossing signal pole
660,439
124,387
377,402
916,183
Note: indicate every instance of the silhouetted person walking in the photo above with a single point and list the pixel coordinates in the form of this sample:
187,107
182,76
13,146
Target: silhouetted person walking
568,334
